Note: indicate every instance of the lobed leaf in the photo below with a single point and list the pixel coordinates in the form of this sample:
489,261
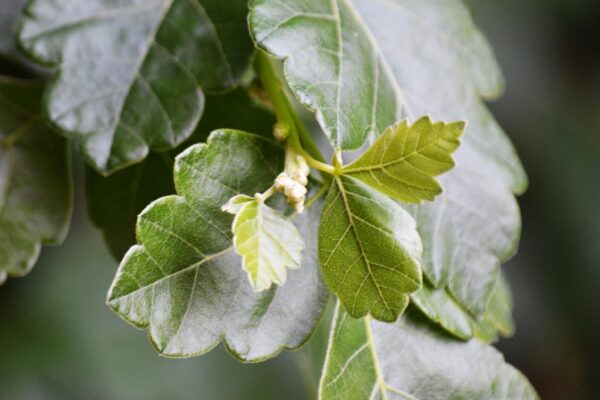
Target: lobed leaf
369,250
470,228
266,240
114,202
184,282
440,307
331,64
412,359
35,179
405,159
364,64
129,71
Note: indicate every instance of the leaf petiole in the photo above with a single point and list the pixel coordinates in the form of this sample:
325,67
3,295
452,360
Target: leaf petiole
298,134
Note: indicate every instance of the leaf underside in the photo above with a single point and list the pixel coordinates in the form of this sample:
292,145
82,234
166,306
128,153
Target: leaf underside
184,282
412,359
369,250
130,72
440,307
35,179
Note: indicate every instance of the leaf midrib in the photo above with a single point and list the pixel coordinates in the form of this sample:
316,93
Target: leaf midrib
362,251
383,386
350,169
198,264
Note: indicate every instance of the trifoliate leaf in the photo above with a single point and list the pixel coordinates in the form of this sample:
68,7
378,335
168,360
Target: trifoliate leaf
412,359
374,62
35,179
405,159
130,71
369,250
184,282
114,202
266,240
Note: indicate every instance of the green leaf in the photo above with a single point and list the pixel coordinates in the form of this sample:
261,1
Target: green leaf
130,71
374,62
35,179
369,250
184,282
470,228
499,310
411,359
266,240
440,307
114,202
345,82
405,159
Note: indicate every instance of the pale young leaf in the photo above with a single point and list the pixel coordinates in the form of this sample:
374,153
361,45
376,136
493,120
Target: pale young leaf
266,240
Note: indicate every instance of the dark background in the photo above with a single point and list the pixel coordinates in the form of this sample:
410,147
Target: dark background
59,341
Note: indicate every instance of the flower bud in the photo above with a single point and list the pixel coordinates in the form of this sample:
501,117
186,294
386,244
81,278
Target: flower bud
281,131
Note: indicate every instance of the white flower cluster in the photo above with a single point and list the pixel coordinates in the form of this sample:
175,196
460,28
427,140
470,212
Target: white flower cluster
294,185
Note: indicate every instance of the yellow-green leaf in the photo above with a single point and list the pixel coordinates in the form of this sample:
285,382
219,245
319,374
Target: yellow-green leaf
266,240
405,159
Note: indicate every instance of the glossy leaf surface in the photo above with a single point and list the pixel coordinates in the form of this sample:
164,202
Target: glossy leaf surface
130,70
412,359
35,179
346,81
374,62
114,202
405,159
369,250
184,282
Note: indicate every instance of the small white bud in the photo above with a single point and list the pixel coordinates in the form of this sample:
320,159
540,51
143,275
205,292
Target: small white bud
295,192
303,165
300,177
299,207
282,181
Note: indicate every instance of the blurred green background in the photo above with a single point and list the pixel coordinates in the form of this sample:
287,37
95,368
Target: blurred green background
59,341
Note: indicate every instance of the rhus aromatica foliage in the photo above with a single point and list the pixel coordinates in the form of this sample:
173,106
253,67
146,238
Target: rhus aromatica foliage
198,120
